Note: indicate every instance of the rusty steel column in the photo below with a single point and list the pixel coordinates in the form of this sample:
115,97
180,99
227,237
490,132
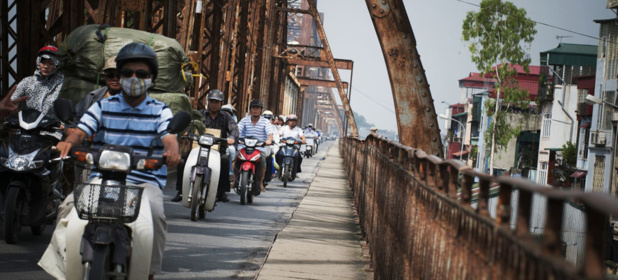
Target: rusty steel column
333,68
412,98
226,42
261,54
242,57
215,45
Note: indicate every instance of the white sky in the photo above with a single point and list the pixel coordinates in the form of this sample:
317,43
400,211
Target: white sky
437,28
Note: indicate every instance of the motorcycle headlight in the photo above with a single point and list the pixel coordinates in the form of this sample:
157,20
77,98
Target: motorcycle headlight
21,163
251,142
112,160
207,140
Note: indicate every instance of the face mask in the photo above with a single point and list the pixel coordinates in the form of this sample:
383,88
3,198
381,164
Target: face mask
134,87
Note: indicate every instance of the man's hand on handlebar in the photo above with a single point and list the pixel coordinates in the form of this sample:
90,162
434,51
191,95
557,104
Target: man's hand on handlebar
231,141
172,158
64,148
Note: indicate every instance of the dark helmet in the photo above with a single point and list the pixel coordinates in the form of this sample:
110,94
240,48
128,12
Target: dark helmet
49,49
215,94
138,52
256,102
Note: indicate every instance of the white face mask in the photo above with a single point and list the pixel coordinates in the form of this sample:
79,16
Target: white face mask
135,87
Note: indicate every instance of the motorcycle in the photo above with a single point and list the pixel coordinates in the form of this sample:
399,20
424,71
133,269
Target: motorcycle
247,187
288,165
309,151
31,181
114,226
201,176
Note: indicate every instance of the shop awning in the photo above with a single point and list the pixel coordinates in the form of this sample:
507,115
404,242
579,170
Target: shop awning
579,174
458,154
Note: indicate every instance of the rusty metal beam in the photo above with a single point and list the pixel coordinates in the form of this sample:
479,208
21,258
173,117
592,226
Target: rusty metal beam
319,82
333,69
411,94
317,62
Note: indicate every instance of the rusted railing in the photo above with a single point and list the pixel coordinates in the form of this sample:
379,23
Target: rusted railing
418,228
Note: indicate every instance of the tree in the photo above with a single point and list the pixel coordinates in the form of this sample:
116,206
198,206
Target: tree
498,36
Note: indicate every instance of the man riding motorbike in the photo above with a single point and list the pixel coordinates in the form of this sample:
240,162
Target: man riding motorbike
112,87
214,118
293,131
132,119
259,127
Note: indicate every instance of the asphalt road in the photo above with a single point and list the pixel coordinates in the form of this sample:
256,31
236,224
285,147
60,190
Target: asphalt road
231,243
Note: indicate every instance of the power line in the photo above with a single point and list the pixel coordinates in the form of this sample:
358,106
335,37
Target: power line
542,23
377,102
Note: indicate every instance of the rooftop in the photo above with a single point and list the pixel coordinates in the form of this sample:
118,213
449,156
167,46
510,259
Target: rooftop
570,54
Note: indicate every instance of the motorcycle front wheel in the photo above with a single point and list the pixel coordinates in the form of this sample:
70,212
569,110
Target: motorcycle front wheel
100,262
195,196
13,208
244,183
285,176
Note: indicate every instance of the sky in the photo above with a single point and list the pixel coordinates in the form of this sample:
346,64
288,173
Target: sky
445,57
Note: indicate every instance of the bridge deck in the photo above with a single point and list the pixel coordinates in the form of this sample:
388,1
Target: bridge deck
322,239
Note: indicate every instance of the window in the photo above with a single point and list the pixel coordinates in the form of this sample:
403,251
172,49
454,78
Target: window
546,129
599,171
581,96
542,175
608,110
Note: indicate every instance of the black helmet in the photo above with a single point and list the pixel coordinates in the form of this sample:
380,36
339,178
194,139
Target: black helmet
138,52
256,102
215,94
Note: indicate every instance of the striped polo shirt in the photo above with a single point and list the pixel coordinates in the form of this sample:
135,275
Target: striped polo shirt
114,121
260,130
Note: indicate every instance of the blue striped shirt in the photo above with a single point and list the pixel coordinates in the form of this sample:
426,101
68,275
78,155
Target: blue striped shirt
114,121
260,130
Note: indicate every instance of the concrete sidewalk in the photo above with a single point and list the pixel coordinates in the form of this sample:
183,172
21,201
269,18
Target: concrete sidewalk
321,240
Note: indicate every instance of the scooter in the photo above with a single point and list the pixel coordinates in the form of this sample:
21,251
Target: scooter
309,148
288,165
247,187
201,176
30,180
114,226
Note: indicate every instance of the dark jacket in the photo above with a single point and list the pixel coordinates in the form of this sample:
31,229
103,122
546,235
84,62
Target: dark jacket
223,122
92,97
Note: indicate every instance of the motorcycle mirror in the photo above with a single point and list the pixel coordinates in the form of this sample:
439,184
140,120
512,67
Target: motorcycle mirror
179,123
64,109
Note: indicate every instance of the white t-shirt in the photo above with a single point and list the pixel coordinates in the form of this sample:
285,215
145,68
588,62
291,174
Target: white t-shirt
295,133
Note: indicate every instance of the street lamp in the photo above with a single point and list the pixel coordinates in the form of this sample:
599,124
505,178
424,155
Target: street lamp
463,133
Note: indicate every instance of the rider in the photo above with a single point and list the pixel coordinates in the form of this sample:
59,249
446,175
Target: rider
213,118
293,131
132,119
256,126
228,108
112,88
269,161
43,87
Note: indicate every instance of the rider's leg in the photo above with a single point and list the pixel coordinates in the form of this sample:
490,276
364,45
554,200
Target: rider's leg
159,224
261,170
224,183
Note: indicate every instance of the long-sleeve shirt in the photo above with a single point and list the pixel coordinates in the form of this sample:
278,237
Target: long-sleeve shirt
224,122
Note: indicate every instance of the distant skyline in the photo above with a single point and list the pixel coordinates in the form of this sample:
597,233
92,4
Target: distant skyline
445,57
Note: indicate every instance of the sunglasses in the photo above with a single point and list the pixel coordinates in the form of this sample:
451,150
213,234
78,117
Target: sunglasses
111,74
128,73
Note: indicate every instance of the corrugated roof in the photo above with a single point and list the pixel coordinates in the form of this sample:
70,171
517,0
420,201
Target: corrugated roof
571,54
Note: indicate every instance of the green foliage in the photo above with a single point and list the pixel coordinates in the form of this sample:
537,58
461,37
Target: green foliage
495,35
569,154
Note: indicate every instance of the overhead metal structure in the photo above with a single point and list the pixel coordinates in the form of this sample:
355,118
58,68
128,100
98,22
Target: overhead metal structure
240,47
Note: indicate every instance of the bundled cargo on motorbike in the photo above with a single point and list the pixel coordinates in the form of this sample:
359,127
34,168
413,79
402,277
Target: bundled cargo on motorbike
85,50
